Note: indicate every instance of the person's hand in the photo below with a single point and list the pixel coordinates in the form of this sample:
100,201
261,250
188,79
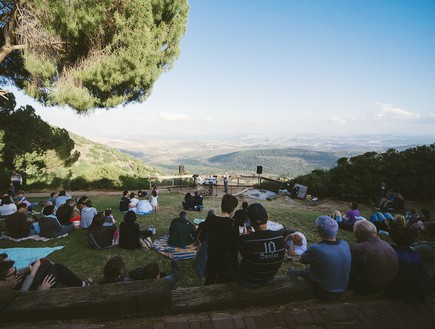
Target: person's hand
47,283
34,268
171,255
11,283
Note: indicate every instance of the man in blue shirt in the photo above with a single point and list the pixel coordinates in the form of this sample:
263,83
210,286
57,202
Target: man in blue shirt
329,260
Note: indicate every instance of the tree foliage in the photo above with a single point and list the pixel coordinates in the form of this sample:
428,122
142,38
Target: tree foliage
89,54
410,172
24,136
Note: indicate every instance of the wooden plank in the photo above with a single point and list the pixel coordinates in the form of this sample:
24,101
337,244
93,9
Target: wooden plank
140,297
145,298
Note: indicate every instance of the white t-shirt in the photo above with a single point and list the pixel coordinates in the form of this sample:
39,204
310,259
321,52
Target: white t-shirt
8,209
144,206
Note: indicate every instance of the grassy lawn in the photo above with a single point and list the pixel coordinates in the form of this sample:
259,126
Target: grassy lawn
87,262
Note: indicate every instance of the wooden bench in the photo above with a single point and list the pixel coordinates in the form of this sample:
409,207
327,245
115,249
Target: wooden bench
144,298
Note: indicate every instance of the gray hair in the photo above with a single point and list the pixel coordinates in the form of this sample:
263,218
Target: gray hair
327,226
362,229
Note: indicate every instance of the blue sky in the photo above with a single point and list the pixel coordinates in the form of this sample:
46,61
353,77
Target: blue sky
285,67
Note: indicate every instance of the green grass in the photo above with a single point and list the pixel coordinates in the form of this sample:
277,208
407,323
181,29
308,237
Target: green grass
87,262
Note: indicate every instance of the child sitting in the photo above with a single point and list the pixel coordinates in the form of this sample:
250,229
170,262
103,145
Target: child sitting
297,245
109,220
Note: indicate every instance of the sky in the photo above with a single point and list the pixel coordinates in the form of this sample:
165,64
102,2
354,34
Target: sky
284,67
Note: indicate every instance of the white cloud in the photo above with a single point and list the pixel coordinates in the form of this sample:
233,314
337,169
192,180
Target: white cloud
388,111
337,120
167,116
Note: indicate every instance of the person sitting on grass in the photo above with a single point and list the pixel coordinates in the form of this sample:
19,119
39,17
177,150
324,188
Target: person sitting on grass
374,262
154,202
198,201
426,249
125,201
144,206
109,220
103,235
262,251
40,275
181,231
7,207
133,202
329,261
87,214
219,232
21,198
297,245
61,198
188,203
384,222
114,271
17,224
410,282
352,215
130,235
63,213
49,225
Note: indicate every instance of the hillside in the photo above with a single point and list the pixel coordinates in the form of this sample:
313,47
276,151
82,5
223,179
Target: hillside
289,162
97,162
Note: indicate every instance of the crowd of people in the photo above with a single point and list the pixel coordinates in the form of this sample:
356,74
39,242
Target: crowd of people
237,245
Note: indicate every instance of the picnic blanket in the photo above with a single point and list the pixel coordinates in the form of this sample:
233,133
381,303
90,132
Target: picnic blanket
32,237
161,246
24,256
144,213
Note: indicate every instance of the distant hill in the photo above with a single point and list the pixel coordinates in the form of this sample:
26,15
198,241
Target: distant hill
96,162
289,162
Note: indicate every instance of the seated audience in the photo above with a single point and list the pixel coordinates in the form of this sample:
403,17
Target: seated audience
8,207
329,261
17,224
109,220
61,198
297,245
409,283
52,198
76,212
181,231
188,203
103,235
426,250
40,275
346,222
87,214
125,201
133,202
374,262
219,232
49,225
151,271
383,221
198,202
114,270
63,213
21,198
262,251
154,202
144,206
130,235
241,217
